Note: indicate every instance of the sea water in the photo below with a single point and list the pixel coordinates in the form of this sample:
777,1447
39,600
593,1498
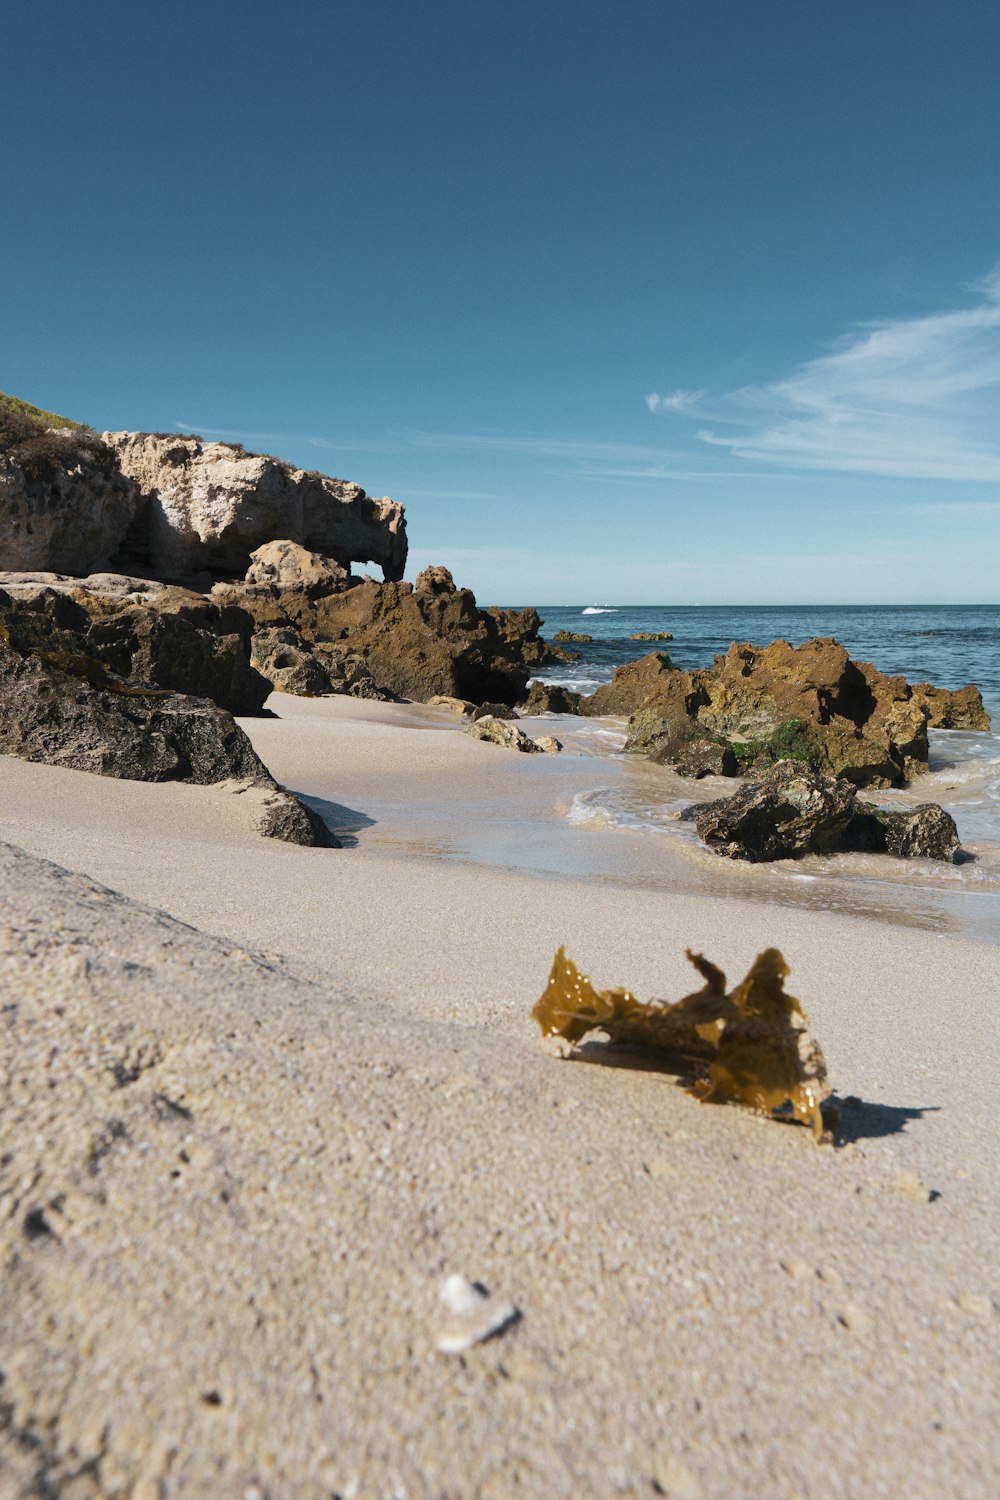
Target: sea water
947,645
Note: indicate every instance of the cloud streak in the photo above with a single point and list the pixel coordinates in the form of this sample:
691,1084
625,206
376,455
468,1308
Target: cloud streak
239,435
915,398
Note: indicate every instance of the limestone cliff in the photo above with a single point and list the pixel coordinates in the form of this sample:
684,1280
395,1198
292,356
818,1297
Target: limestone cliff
172,507
205,507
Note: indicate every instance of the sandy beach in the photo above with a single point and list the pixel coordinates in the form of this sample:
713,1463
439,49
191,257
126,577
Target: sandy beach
261,1102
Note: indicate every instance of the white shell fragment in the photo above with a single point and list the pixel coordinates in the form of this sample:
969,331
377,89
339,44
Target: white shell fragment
473,1315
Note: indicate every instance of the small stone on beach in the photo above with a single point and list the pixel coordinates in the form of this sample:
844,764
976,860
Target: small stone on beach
473,1315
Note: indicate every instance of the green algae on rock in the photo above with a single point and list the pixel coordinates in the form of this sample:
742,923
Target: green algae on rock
749,1047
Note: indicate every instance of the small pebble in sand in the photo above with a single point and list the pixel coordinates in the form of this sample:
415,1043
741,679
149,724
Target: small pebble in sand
976,1303
796,1267
473,1315
854,1318
911,1187
659,1166
676,1480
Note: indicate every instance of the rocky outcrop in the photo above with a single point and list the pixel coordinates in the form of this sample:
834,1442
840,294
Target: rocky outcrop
549,698
174,507
502,732
293,665
286,565
206,507
810,702
418,641
958,709
494,711
792,810
66,708
64,503
925,832
152,635
696,757
652,680
564,636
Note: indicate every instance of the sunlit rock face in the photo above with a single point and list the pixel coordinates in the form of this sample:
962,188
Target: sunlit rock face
810,702
64,507
205,507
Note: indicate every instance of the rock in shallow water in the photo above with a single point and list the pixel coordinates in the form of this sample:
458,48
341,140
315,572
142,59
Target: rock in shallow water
810,701
549,698
926,832
793,810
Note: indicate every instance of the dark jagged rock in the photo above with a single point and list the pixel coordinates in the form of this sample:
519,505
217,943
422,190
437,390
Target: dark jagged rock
418,641
164,638
789,812
926,832
293,665
494,711
68,710
549,698
810,702
65,708
696,757
961,708
793,810
286,817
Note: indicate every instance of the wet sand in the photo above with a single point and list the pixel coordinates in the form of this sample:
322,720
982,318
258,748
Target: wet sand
235,1285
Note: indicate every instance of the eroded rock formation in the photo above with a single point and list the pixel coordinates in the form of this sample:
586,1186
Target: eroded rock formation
206,507
502,732
417,640
294,665
810,702
66,707
791,810
64,502
177,508
153,635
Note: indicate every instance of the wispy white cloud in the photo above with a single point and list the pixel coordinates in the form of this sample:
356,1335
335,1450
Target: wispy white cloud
542,445
239,435
913,398
681,400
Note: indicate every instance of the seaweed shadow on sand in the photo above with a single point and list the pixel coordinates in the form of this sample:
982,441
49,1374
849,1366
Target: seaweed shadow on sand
847,1119
867,1120
345,822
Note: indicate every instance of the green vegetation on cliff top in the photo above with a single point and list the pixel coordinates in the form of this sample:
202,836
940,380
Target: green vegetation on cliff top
49,418
43,444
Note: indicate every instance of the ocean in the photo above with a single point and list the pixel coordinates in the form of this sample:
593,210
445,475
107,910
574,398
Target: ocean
948,645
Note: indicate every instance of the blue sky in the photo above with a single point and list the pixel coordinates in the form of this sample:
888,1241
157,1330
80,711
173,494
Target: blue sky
648,303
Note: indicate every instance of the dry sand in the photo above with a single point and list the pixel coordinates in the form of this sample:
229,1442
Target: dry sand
232,1186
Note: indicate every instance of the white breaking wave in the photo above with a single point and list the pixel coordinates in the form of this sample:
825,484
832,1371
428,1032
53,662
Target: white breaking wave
598,609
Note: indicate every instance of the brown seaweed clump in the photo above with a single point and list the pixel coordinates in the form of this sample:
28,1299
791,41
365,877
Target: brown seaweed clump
748,1047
